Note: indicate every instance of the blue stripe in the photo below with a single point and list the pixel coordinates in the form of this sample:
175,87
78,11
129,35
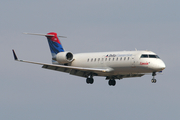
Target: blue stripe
55,47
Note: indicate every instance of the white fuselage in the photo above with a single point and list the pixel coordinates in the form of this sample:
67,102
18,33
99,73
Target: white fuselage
122,62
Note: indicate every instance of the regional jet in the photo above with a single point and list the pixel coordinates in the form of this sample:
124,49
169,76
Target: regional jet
111,65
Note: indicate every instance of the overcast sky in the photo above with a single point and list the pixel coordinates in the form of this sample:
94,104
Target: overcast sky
28,92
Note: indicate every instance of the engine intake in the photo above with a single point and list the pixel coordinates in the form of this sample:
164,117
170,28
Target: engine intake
64,57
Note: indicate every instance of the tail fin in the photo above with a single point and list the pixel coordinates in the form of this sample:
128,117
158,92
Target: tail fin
54,44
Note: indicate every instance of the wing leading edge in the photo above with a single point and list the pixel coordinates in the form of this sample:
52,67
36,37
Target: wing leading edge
79,71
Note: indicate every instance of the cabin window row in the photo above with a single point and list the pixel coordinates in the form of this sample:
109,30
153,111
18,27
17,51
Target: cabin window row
106,59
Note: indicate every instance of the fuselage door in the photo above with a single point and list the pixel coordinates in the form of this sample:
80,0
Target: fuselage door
102,61
133,62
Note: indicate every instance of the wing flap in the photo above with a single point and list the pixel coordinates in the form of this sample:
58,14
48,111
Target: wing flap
78,71
56,68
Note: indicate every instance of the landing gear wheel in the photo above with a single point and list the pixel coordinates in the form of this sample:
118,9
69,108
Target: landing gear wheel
89,80
153,80
112,82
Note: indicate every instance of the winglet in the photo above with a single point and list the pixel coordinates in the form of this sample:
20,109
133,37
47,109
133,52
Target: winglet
15,57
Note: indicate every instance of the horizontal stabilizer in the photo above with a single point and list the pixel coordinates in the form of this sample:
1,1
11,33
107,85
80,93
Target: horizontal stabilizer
47,35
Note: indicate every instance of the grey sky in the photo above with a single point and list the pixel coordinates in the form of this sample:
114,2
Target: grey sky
29,92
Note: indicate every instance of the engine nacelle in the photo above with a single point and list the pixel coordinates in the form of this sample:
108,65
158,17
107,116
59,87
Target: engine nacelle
64,57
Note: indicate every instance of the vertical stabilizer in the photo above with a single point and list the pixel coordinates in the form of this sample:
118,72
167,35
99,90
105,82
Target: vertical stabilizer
54,44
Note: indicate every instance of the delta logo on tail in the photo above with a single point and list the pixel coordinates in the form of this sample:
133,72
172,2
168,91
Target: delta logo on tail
54,43
53,38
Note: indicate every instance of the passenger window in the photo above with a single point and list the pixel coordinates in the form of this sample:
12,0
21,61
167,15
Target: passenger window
144,56
124,58
109,59
95,60
102,59
98,59
106,59
117,58
128,58
121,58
113,59
91,59
88,60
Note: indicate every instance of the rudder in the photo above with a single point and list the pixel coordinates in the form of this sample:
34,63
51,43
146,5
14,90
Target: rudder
54,44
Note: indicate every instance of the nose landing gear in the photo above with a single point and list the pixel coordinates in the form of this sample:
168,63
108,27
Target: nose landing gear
154,80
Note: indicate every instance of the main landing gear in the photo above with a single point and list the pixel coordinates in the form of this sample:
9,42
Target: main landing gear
154,80
112,82
90,80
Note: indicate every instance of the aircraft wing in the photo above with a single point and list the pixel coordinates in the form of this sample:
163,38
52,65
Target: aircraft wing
79,71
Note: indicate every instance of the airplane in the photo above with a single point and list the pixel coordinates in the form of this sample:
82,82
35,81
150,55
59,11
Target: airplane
111,65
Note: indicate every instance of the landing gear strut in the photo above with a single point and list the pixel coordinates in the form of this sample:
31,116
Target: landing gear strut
112,82
154,80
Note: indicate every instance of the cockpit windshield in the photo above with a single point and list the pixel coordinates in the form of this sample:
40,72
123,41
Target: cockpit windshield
144,56
152,56
157,56
149,56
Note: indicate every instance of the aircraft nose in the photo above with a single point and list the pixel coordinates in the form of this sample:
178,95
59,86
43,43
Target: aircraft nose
162,65
158,65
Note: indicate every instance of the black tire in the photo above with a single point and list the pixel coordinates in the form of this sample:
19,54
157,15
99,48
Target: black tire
152,80
91,80
87,81
155,80
113,82
110,82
